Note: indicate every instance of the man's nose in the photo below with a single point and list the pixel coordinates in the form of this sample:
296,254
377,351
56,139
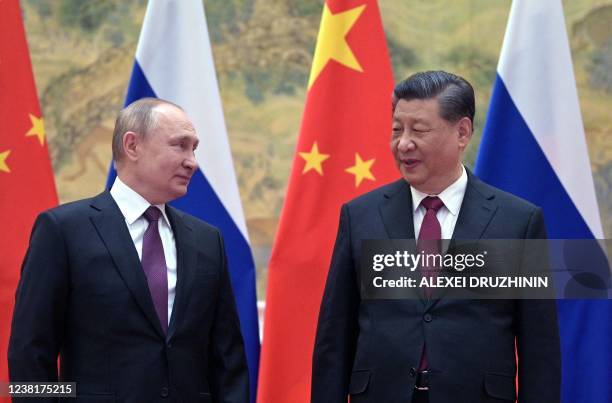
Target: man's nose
190,163
405,143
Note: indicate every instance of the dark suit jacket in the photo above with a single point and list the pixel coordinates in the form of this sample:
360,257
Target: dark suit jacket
370,349
83,295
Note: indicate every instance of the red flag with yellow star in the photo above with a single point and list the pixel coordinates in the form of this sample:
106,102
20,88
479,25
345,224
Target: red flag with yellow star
26,177
342,151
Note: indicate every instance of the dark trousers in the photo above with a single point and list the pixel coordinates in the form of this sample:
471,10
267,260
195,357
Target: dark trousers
420,396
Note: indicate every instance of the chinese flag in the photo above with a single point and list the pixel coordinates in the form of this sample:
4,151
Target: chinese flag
342,151
26,178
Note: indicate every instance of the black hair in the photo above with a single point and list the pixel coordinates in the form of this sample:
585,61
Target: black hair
455,95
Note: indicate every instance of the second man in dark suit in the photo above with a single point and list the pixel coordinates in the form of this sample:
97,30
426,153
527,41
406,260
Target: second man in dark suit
432,350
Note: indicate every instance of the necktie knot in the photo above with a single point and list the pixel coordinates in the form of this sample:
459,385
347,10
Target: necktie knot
432,203
152,214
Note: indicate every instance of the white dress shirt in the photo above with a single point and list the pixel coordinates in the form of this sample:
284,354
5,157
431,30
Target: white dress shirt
452,197
133,206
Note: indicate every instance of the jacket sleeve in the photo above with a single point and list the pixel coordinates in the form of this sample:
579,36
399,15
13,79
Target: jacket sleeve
337,328
40,305
229,372
539,351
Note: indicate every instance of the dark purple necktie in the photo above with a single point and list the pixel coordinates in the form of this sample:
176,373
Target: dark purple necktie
154,266
429,242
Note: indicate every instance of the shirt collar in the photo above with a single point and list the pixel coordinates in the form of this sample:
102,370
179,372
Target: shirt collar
452,196
132,204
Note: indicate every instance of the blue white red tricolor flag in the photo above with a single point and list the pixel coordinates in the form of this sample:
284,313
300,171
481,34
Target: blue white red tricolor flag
174,62
534,146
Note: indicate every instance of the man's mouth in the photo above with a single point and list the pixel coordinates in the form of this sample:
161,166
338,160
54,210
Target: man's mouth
409,163
184,178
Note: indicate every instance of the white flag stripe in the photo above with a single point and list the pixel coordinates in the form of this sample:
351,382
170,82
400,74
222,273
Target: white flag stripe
158,57
544,91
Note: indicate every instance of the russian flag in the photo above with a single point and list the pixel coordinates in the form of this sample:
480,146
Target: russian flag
534,146
174,62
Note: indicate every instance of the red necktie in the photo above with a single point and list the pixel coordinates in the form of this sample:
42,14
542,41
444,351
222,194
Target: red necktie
430,235
154,266
429,243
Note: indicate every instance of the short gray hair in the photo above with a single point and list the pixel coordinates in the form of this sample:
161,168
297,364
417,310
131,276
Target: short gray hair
137,117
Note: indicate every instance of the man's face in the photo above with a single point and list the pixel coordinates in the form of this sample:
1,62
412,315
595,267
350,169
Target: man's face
166,159
426,147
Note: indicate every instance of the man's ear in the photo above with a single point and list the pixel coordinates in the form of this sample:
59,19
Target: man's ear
464,131
131,143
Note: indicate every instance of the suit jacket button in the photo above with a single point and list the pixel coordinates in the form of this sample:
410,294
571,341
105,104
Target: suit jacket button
427,317
413,372
164,392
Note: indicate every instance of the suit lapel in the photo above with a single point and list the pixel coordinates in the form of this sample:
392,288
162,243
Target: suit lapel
476,211
396,213
186,260
113,231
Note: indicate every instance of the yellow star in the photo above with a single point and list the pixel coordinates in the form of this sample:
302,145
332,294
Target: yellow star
314,159
331,42
37,129
361,169
3,156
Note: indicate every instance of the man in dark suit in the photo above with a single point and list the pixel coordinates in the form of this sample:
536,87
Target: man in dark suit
432,350
133,295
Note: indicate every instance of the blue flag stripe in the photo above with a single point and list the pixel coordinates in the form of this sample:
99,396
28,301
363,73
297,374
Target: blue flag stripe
511,159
